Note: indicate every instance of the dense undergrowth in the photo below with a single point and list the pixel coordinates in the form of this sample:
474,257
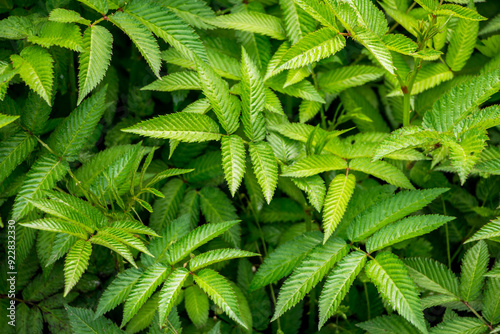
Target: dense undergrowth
267,166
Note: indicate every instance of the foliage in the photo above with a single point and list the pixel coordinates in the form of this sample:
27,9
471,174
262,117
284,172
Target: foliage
268,166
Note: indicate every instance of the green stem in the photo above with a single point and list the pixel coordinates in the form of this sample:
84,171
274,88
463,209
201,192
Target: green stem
367,297
478,315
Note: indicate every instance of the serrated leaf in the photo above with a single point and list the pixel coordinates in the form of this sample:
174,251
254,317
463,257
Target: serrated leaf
143,289
390,210
338,283
217,255
17,27
462,325
491,309
314,187
462,43
125,238
339,193
303,89
284,259
388,324
433,276
195,239
265,168
341,78
84,321
446,112
94,60
170,292
459,11
404,229
166,209
185,80
66,35
225,106
67,16
57,225
314,164
393,282
311,48
168,27
375,46
488,231
197,305
381,170
13,151
44,175
76,262
309,273
428,5
115,246
221,292
186,127
72,133
474,266
251,22
233,161
253,99
118,290
319,11
100,6
141,37
35,66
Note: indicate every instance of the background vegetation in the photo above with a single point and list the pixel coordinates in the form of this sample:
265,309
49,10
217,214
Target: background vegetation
268,166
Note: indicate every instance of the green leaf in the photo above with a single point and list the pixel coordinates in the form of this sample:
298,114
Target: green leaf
314,164
233,161
338,283
339,193
446,112
143,289
186,127
65,35
124,238
35,66
461,12
314,187
170,292
225,106
100,6
57,225
265,168
193,12
221,292
76,262
166,209
114,245
13,151
319,11
381,170
118,290
309,273
169,27
284,259
133,227
400,43
44,175
253,99
464,153
197,305
217,255
72,133
405,229
389,210
391,277
488,231
303,89
460,325
388,324
344,77
94,59
429,76
84,321
252,22
141,37
67,16
375,46
185,80
491,309
311,48
7,119
434,276
17,27
428,5
194,239
462,44
474,266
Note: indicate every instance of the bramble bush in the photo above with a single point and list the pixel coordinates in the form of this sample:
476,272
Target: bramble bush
266,166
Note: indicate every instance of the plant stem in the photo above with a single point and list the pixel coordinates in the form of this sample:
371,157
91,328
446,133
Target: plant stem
478,315
367,297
